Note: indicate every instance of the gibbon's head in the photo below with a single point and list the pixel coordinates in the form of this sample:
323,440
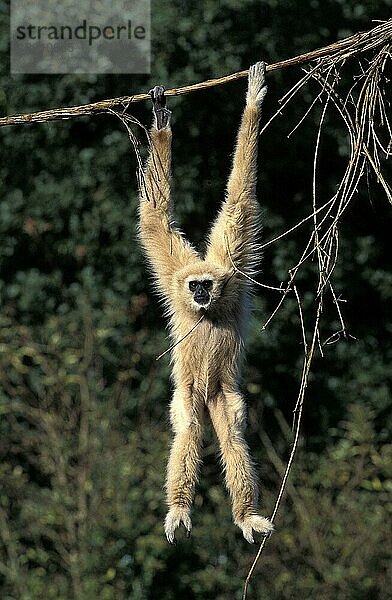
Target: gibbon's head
200,285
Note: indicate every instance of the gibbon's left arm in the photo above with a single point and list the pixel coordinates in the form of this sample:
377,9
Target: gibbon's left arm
233,237
166,248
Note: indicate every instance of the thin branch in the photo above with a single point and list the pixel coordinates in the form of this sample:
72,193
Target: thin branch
294,227
304,381
342,48
248,277
182,339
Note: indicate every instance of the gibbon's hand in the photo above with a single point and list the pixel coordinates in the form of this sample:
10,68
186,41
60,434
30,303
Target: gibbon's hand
257,88
161,113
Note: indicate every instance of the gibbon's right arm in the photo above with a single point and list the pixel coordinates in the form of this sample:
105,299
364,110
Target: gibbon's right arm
234,235
165,247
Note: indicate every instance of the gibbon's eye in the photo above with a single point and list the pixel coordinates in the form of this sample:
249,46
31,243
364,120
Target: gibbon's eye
207,284
193,285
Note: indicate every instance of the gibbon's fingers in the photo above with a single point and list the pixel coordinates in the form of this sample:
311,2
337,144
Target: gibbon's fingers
255,523
161,113
257,88
174,518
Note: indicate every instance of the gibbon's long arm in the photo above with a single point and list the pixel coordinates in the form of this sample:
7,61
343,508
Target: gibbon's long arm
233,237
166,248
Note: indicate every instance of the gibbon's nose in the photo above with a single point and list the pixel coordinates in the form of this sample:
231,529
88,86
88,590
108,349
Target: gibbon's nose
201,296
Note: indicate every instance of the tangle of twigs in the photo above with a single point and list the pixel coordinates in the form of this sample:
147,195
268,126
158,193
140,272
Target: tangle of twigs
363,111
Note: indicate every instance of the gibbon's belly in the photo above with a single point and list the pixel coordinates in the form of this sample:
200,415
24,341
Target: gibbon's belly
208,359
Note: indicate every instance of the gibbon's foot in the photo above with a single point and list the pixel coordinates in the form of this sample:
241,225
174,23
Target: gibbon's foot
255,523
257,88
161,113
176,516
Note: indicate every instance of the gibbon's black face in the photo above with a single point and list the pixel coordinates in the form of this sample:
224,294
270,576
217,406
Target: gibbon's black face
199,286
201,291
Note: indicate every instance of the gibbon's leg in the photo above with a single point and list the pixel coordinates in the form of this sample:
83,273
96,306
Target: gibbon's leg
228,417
164,245
234,235
182,471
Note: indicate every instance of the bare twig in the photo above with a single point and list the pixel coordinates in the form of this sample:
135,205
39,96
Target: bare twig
182,339
301,395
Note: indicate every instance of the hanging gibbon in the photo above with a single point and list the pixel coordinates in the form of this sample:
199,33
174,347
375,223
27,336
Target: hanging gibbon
208,300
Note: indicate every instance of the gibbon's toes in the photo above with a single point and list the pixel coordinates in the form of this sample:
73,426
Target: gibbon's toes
161,113
174,518
255,523
257,88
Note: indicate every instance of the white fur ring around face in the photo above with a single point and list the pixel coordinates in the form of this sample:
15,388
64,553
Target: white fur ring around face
257,88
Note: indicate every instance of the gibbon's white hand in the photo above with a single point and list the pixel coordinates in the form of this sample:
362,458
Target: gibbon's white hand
257,88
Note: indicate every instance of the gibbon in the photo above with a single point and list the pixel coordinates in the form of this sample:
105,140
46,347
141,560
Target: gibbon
208,302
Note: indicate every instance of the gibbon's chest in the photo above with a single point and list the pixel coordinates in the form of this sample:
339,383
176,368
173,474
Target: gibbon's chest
209,355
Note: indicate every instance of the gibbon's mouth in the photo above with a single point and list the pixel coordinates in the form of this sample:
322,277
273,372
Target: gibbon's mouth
201,304
202,301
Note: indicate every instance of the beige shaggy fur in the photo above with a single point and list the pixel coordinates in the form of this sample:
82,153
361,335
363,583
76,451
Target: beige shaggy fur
206,363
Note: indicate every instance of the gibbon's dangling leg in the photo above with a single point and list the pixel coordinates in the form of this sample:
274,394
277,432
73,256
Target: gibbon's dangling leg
187,420
227,412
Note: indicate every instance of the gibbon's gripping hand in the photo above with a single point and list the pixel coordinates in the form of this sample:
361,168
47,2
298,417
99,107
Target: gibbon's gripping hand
257,88
160,112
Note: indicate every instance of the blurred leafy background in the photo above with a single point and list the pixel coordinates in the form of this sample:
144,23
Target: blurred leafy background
84,430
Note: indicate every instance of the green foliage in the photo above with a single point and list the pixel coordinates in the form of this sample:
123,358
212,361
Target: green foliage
338,540
84,422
